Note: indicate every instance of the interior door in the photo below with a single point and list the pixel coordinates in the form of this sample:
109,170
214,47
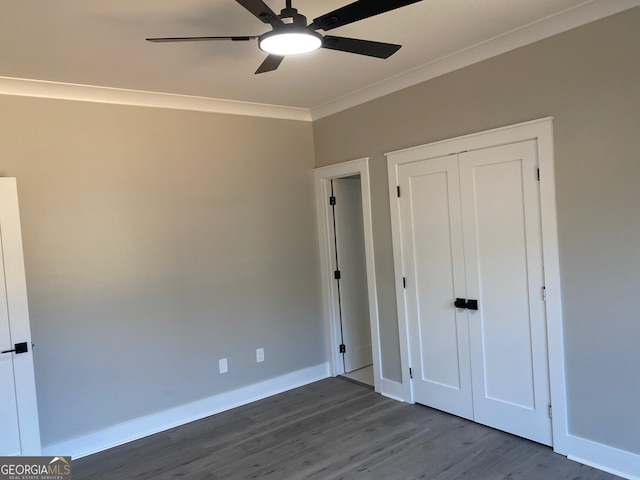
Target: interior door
19,428
434,268
354,298
503,262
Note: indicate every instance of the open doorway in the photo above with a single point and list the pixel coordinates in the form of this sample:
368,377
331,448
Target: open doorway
346,245
351,278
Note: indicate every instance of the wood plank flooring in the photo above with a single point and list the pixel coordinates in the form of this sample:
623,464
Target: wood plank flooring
331,430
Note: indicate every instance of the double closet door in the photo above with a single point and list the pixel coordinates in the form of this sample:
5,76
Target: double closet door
474,292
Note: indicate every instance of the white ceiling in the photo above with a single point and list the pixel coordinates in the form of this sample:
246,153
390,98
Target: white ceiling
102,43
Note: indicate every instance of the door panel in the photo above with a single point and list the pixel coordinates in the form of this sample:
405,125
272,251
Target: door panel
500,253
432,249
354,297
503,262
9,427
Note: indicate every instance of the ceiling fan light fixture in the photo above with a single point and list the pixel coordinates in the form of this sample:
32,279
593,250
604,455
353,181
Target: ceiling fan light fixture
290,43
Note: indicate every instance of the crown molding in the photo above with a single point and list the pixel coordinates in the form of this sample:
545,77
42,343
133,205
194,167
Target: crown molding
89,93
582,14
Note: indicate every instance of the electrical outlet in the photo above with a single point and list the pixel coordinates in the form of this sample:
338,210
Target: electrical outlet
260,355
223,366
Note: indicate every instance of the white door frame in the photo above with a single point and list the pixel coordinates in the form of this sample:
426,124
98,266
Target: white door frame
323,177
19,317
542,131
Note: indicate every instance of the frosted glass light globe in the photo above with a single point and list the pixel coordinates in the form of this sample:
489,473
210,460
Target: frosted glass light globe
291,43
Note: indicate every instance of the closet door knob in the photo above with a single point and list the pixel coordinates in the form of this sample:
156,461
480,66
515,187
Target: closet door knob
460,303
472,304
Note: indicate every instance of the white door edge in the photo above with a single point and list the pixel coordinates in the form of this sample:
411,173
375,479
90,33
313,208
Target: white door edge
540,130
323,177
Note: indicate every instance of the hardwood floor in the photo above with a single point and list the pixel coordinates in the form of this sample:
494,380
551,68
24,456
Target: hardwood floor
332,429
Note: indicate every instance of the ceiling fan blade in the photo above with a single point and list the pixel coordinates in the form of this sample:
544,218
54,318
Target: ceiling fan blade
200,39
261,11
270,63
360,47
355,11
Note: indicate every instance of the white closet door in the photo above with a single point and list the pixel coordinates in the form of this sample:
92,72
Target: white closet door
503,260
433,265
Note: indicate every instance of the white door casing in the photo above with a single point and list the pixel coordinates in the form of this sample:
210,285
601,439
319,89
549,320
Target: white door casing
323,177
350,253
19,428
474,184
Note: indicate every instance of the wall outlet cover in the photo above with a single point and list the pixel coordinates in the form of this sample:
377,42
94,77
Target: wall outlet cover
223,366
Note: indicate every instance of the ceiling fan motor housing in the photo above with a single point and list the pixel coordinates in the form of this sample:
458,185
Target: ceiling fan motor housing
295,18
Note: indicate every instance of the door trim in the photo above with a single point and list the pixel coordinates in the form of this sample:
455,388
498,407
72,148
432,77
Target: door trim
540,130
323,177
19,317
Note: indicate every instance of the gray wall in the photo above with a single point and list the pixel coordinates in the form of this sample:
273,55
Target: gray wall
156,242
589,80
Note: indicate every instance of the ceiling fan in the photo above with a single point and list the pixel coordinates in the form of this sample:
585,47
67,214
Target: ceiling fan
290,34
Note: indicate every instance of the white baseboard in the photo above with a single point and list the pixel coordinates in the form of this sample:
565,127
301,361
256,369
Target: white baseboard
391,389
148,425
603,457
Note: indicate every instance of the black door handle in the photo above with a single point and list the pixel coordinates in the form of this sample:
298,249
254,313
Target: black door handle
460,303
18,348
464,303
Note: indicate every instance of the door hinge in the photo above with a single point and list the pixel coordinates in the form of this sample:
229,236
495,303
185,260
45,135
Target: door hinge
550,411
332,200
538,174
544,294
343,348
398,190
410,373
337,275
404,282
